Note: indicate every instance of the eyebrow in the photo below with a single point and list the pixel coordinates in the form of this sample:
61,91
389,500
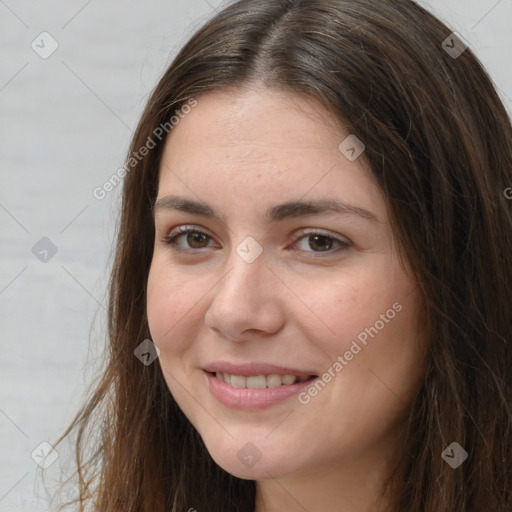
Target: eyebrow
289,209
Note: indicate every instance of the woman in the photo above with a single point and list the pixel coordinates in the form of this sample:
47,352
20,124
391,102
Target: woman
310,300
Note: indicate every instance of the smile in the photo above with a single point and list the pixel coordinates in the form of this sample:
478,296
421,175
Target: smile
254,391
259,381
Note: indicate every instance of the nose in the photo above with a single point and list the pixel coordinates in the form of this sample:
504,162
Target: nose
247,301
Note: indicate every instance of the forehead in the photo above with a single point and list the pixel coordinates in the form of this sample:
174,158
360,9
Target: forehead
263,146
256,121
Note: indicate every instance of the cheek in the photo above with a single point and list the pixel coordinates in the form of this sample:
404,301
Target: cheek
382,359
371,315
170,305
157,301
173,313
341,307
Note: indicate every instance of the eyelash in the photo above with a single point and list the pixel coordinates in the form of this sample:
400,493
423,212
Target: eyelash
171,238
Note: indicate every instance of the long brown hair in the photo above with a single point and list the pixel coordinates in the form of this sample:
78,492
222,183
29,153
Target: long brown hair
439,143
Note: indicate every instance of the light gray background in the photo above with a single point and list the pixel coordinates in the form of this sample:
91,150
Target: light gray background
66,122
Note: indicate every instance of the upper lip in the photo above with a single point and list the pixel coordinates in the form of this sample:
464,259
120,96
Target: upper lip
248,369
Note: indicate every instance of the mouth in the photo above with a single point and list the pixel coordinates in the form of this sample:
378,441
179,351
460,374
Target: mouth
255,392
272,380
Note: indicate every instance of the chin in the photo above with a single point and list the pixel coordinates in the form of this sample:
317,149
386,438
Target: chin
246,461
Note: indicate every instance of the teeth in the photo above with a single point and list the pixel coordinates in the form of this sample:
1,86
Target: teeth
258,381
288,379
273,381
237,381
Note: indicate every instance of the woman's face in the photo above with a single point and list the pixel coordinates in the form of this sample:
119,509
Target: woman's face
270,283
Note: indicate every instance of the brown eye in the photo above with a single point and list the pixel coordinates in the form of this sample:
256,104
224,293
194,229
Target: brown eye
194,239
316,242
320,242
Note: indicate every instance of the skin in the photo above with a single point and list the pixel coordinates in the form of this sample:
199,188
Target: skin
242,151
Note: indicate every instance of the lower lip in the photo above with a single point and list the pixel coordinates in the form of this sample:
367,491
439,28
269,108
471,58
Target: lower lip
244,398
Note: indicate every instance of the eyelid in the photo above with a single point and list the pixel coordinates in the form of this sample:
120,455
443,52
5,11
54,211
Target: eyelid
344,243
302,233
322,232
184,229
